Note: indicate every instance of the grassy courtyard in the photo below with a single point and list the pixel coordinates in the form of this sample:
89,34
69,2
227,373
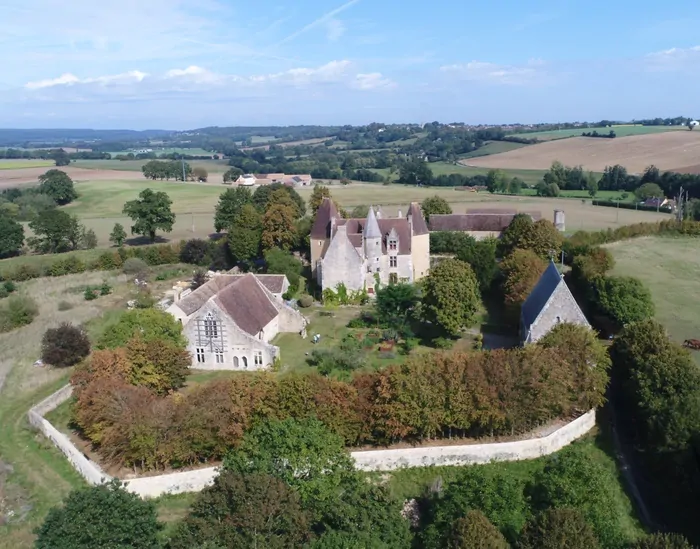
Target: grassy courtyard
669,268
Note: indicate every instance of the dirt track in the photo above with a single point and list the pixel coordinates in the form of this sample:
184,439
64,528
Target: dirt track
23,176
667,151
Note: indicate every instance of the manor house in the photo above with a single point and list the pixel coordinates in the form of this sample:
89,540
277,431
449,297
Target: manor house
362,253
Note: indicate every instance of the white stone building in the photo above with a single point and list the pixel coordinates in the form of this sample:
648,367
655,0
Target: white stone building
230,321
360,253
550,303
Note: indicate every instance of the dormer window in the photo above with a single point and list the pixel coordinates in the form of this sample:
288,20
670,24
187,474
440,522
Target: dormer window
393,244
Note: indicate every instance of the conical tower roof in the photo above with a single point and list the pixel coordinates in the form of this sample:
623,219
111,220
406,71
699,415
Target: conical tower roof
371,225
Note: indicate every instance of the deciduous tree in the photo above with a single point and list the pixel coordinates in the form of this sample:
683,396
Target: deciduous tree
624,299
278,227
396,304
481,256
64,346
195,252
415,172
662,541
105,515
158,364
521,270
435,205
245,234
150,213
149,324
118,235
558,529
200,174
262,198
232,174
281,262
11,236
496,181
54,231
649,190
451,296
57,185
319,193
475,531
230,205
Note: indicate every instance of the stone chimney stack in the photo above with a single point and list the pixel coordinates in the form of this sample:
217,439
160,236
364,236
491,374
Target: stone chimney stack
559,220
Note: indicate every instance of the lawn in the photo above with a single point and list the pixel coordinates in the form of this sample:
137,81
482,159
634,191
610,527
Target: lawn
669,268
620,131
19,164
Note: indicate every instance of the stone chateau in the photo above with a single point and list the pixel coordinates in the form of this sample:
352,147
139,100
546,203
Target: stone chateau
361,252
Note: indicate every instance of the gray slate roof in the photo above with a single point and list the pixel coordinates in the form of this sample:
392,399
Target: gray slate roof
371,225
540,294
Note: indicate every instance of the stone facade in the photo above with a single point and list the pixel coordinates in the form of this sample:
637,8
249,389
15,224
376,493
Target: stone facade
360,253
550,303
230,323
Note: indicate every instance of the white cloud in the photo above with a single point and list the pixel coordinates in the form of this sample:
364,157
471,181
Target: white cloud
334,29
63,80
674,59
373,81
510,75
70,80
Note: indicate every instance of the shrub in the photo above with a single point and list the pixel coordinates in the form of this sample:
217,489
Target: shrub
135,267
25,272
199,279
662,541
305,301
150,324
474,531
195,252
443,343
64,346
64,306
105,289
558,529
17,311
623,298
90,294
9,286
3,292
100,516
144,299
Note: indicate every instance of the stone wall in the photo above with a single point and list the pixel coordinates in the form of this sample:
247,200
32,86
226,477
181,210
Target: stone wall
371,460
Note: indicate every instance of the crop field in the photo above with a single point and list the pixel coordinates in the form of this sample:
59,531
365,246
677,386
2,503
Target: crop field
168,150
22,164
620,131
212,166
669,267
667,151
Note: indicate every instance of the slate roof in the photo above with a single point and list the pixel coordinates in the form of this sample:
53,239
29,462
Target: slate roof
401,226
322,223
371,225
247,304
476,220
419,225
538,298
195,301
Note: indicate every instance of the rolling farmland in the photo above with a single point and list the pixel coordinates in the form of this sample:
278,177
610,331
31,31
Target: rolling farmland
620,131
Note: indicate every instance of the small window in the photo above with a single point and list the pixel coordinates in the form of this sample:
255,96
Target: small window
245,362
378,269
393,245
258,358
392,261
200,354
370,291
235,362
369,268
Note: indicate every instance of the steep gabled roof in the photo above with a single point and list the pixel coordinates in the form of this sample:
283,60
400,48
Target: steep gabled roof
321,228
247,304
371,225
415,212
538,298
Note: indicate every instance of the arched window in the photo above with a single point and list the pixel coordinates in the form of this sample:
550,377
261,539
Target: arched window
235,362
211,329
245,363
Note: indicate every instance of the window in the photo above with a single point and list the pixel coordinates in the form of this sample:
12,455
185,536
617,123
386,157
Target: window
393,261
200,354
369,268
258,358
219,355
393,278
235,362
377,269
393,244
245,362
211,328
370,291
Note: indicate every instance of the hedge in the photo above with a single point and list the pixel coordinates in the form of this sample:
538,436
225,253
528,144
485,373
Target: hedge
631,206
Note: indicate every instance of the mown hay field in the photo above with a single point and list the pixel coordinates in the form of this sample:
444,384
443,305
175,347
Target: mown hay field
667,151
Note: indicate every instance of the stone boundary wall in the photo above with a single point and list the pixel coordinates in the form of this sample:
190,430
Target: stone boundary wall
370,460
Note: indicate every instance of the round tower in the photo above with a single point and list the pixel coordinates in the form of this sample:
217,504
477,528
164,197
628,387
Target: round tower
559,220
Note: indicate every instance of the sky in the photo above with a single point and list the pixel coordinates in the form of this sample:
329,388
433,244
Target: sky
183,64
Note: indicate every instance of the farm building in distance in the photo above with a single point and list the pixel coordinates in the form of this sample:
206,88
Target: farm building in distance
550,303
480,224
362,253
230,321
299,180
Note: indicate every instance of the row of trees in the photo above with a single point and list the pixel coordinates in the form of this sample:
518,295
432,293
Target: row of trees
173,169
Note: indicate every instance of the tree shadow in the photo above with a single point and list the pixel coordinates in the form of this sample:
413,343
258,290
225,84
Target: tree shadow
145,241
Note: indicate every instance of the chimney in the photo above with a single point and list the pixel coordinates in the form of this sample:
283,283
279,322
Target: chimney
400,213
559,220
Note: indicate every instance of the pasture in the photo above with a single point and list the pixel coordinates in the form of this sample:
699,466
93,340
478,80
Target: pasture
493,147
168,150
20,164
621,131
100,204
669,268
667,151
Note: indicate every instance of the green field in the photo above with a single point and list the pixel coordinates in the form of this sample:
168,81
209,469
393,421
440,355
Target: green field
167,150
620,131
19,164
669,268
493,147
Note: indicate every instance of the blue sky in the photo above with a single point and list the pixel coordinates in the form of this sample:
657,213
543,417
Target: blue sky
180,64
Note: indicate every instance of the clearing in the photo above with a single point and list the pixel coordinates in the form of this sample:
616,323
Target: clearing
669,268
622,130
667,151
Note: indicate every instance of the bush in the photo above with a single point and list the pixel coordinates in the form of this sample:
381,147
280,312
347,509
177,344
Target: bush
135,267
662,541
443,343
90,294
105,289
9,286
101,516
558,529
195,252
305,301
149,324
623,298
64,346
17,311
64,306
3,292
